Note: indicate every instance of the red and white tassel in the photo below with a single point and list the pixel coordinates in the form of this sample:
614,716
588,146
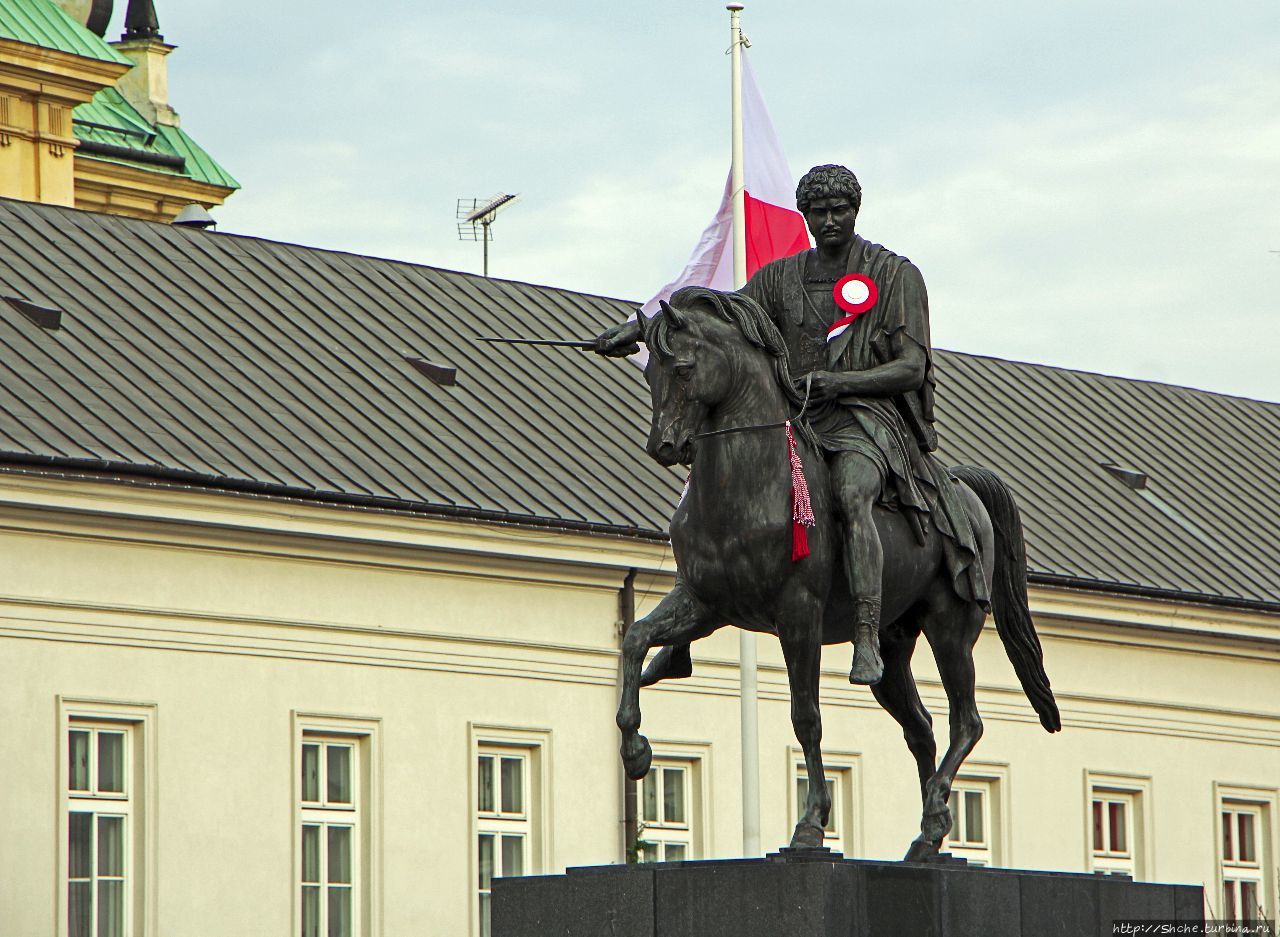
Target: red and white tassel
801,509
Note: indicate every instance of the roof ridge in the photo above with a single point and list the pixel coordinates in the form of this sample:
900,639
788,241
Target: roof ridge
629,302
1085,372
332,250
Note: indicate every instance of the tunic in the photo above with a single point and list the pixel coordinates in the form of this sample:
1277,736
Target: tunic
896,433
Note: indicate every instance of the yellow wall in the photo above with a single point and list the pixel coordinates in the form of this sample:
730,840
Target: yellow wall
231,613
39,88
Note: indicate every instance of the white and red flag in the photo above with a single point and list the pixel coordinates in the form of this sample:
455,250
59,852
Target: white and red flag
774,228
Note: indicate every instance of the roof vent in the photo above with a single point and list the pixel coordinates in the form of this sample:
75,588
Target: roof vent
440,374
194,216
1129,477
44,316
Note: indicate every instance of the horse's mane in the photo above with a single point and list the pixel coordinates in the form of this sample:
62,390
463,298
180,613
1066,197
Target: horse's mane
737,309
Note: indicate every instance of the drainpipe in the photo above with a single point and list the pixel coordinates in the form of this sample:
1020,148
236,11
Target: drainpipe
627,618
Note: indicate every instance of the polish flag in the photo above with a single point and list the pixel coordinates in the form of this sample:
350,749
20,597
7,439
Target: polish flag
774,228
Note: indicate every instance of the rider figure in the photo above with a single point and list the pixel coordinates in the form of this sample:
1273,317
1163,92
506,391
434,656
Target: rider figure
871,393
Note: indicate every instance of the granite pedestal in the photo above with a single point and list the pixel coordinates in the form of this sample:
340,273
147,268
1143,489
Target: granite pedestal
823,895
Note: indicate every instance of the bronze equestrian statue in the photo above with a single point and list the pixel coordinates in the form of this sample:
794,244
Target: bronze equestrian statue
921,549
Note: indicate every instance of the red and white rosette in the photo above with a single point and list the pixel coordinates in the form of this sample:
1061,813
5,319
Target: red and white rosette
854,294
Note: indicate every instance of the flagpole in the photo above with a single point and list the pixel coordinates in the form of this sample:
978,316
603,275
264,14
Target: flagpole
738,173
747,694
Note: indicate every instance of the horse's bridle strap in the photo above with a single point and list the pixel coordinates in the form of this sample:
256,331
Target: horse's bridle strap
740,429
808,386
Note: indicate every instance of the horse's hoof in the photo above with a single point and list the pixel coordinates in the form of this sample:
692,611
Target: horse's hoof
670,663
921,850
935,826
637,754
807,836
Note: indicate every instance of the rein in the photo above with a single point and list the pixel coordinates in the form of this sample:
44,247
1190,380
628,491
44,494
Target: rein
808,386
801,510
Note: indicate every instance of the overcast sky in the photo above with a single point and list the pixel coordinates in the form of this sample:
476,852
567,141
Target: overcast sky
1088,184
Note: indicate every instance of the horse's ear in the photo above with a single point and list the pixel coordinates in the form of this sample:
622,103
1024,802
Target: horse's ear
674,319
642,323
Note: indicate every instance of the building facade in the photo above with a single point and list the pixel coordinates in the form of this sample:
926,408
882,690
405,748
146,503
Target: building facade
298,639
87,122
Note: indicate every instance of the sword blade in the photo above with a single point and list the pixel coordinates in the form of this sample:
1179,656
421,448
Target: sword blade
565,343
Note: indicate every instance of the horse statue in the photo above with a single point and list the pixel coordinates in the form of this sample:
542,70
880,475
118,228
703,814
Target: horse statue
722,398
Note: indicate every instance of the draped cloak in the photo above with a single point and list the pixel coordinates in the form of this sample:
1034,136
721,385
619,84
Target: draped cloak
896,433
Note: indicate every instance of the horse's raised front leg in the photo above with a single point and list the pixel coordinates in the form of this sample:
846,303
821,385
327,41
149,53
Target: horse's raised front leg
678,619
801,639
952,636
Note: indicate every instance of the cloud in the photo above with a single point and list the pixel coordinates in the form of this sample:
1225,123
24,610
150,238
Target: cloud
1114,242
1084,185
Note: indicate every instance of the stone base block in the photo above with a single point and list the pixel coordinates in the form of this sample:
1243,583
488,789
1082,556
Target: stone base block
815,893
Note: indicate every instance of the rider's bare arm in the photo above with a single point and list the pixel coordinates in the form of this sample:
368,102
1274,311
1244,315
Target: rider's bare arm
619,340
901,375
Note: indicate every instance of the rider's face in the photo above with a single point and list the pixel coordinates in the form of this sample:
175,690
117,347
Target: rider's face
830,221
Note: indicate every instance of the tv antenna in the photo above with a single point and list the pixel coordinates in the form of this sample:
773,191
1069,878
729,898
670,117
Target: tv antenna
475,219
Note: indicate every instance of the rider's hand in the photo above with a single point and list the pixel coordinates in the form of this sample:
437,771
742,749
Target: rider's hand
823,385
618,341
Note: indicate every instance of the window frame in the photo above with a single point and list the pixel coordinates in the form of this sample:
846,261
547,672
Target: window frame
663,833
1102,806
534,746
1264,804
362,814
1135,792
500,824
843,770
978,852
992,781
136,722
697,756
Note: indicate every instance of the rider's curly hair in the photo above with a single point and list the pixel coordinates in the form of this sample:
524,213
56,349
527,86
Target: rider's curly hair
829,181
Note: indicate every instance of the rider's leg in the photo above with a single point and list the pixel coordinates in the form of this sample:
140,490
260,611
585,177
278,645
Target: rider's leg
856,484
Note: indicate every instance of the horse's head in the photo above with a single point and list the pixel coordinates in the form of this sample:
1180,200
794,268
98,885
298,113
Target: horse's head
676,374
697,347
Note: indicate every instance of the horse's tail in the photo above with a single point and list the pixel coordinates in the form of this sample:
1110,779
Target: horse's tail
1009,591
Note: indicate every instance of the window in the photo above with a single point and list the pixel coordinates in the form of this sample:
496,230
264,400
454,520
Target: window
335,850
666,830
1243,860
99,829
979,804
831,832
105,840
1116,831
971,833
839,779
504,825
330,829
1112,823
510,800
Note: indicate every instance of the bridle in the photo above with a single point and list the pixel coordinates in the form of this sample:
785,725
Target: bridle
808,387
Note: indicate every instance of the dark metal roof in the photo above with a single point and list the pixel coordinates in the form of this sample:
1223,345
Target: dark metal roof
236,360
255,365
1204,521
